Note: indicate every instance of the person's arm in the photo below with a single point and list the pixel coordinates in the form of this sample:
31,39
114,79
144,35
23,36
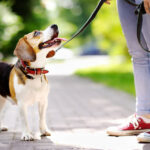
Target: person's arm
147,6
108,2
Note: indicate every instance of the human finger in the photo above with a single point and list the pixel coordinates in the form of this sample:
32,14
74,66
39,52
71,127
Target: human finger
146,6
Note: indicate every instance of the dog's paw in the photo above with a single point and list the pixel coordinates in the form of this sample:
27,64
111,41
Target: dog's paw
37,136
27,137
46,133
3,128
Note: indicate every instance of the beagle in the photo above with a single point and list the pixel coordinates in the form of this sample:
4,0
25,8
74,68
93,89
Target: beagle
25,82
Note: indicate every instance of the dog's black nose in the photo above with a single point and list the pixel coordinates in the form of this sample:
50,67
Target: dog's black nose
55,27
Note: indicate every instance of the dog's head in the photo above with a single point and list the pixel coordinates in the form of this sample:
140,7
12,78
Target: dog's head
37,43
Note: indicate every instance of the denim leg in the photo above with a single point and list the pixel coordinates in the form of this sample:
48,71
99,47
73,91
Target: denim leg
140,58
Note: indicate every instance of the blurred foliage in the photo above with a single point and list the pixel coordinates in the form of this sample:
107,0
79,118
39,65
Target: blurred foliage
10,24
107,29
19,17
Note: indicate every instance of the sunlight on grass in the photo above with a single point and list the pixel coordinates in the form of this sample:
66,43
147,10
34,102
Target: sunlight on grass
119,76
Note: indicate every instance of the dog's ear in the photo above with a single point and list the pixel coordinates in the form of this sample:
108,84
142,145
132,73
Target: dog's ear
24,51
50,54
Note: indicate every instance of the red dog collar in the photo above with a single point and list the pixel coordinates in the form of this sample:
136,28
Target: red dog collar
33,71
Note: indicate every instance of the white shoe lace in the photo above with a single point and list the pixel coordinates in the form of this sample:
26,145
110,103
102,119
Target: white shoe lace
134,121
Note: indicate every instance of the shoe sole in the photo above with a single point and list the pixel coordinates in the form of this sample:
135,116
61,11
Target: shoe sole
143,140
126,133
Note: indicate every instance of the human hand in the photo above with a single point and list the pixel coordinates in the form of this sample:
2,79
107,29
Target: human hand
108,2
147,6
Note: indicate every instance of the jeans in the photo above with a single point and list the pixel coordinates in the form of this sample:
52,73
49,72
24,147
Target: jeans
140,58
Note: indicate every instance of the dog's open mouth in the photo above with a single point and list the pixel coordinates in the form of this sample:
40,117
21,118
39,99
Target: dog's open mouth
54,41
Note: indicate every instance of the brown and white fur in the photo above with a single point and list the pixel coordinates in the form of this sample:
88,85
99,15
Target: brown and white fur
22,91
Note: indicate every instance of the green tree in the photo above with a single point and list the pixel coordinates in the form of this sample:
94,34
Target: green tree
10,24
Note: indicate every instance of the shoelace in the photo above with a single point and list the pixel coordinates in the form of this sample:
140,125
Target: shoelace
134,121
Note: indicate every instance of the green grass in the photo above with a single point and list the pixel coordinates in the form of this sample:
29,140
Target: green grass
116,76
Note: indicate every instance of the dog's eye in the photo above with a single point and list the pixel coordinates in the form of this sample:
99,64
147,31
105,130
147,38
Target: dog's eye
36,33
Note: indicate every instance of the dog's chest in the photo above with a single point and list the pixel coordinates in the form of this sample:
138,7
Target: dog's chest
36,84
32,90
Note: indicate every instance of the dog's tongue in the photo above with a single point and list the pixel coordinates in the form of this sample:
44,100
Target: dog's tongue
61,39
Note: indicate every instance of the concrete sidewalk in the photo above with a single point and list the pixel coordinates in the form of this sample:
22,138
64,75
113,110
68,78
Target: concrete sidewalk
79,111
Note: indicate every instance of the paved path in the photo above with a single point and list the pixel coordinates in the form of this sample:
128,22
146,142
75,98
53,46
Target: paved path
79,111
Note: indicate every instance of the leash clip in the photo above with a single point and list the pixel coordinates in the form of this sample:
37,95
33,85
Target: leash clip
35,72
26,67
140,9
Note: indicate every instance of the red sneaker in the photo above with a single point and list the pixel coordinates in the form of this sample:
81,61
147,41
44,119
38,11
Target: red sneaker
144,137
133,126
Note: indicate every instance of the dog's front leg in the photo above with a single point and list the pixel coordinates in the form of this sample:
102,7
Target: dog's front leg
42,113
26,134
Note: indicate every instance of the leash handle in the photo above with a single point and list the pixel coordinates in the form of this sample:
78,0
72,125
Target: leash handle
90,19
